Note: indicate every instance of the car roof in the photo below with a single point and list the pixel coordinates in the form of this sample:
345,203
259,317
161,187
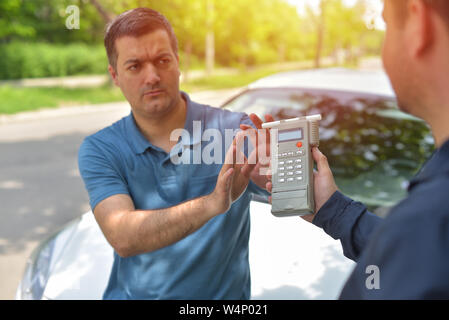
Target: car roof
340,79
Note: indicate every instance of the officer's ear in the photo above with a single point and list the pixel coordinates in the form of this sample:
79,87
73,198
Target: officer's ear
419,27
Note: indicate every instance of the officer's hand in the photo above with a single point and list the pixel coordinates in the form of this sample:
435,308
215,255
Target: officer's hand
324,183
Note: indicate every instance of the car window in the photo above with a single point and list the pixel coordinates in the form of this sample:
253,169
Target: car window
258,101
373,148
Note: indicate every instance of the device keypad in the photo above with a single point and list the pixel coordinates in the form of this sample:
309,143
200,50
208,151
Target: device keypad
290,166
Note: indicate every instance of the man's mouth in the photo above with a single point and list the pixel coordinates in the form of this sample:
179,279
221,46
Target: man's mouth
153,93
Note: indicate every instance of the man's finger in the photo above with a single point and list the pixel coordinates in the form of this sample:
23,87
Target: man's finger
256,120
269,118
244,168
321,161
230,157
245,127
247,169
269,186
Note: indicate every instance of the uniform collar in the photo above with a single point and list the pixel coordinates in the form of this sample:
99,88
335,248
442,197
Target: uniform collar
436,165
141,144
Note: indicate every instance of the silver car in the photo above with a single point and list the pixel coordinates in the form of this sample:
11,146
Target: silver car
372,147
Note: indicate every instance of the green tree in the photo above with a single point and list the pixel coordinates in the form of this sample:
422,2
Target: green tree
340,28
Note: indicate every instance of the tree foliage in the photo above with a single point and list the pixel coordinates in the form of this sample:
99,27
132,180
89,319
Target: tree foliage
246,32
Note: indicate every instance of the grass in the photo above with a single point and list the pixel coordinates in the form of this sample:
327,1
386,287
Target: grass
15,99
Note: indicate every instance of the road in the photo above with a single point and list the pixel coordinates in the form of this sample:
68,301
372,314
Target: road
40,187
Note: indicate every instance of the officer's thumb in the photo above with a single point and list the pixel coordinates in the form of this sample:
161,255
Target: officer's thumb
321,161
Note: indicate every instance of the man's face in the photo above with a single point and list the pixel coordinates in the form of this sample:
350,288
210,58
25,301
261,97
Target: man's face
147,72
395,59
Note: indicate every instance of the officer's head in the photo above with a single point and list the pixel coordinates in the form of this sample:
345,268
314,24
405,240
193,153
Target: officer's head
415,52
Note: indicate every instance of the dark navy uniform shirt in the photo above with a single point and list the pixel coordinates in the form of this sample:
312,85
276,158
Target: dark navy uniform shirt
408,251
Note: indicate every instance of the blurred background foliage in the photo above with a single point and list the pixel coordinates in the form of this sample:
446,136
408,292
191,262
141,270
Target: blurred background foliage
34,41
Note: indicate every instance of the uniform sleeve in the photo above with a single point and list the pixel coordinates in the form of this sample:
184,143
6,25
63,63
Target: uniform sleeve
101,177
405,259
348,221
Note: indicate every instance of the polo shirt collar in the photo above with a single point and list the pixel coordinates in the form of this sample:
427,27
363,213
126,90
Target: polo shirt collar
194,113
436,165
141,144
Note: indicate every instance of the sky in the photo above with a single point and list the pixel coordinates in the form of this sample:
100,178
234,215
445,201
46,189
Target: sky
375,10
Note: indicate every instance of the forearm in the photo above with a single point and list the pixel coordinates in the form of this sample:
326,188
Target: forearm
132,232
348,221
149,230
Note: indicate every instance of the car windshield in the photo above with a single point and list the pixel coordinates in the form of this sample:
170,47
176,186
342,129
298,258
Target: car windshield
373,148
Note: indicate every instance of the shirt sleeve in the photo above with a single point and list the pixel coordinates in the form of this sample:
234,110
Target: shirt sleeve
101,177
348,221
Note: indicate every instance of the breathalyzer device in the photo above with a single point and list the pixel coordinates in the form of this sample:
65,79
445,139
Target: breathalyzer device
291,143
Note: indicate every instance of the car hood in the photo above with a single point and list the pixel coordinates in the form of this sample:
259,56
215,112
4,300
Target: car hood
289,259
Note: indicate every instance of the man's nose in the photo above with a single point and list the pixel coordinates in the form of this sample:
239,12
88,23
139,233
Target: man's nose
151,75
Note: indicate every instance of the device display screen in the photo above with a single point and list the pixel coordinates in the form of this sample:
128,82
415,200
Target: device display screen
287,135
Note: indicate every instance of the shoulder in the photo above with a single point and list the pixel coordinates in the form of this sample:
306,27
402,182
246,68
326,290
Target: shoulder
109,134
224,118
426,202
107,142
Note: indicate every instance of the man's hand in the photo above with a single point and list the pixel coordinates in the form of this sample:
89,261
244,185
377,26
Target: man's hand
323,183
232,179
261,153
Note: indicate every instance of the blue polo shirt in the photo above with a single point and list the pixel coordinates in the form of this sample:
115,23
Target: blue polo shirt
409,248
211,263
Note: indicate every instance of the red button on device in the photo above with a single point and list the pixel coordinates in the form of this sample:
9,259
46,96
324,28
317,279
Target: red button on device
299,144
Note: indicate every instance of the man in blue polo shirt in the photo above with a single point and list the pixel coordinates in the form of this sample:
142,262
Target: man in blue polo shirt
179,230
405,256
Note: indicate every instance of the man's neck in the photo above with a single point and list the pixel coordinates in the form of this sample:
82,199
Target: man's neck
157,131
436,87
440,128
435,105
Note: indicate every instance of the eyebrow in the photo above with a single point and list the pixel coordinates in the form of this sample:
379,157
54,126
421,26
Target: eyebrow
132,60
136,60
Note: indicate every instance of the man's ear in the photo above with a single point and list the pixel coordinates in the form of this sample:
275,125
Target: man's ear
113,74
179,69
420,32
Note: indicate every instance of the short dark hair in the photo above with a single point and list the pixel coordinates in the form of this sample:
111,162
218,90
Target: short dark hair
135,23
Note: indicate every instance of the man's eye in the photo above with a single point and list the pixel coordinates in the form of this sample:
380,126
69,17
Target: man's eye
164,61
133,67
